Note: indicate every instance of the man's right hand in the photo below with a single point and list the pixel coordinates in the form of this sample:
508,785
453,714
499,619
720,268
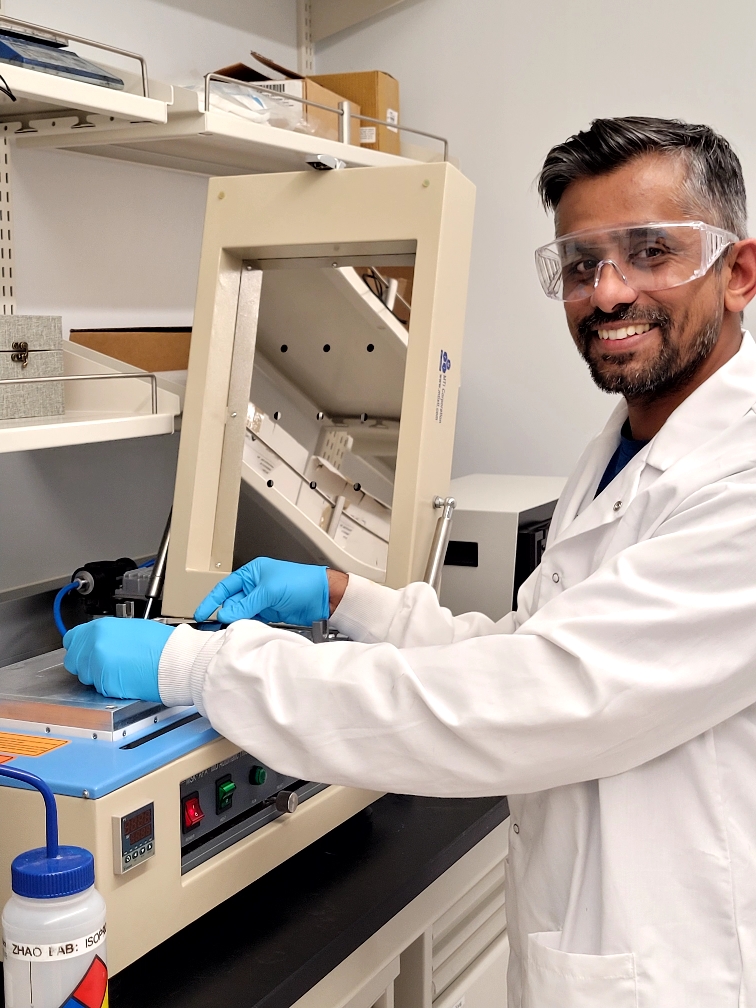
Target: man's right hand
274,591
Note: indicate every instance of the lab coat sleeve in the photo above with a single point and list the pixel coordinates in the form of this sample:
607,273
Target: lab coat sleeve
368,612
652,649
408,617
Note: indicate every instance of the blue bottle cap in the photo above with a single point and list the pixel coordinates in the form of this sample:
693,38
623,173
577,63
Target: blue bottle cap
37,876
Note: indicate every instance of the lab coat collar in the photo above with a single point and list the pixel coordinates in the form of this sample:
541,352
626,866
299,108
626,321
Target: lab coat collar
722,399
714,406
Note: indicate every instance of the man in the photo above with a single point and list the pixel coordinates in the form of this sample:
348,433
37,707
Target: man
617,706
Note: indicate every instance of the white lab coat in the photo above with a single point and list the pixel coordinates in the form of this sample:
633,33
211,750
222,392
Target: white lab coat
616,708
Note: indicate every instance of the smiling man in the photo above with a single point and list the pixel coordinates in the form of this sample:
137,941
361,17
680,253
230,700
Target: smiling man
617,706
643,332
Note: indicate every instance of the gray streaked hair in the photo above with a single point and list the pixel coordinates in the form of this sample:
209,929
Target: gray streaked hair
713,189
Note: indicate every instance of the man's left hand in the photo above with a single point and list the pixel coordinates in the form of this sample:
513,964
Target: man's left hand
119,657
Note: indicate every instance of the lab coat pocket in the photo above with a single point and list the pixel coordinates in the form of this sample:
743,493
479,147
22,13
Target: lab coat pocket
556,979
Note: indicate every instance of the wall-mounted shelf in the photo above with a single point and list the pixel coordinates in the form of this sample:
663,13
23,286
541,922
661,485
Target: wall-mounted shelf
109,410
44,94
206,143
331,16
37,93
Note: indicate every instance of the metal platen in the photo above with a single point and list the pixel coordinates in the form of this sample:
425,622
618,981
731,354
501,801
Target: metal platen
41,692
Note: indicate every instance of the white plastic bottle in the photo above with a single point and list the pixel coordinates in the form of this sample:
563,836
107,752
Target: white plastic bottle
54,934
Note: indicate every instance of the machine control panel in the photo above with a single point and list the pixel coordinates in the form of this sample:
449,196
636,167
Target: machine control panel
133,838
230,800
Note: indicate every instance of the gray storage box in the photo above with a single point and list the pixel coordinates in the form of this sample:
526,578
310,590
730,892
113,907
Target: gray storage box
31,346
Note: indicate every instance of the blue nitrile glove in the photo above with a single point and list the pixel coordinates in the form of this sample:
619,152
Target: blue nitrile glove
276,591
119,657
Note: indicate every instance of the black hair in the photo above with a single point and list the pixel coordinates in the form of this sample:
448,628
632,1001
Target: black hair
714,185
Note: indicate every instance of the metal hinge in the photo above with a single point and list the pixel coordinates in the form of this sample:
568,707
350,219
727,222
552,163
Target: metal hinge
21,356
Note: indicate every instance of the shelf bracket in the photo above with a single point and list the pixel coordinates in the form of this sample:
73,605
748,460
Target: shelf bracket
305,44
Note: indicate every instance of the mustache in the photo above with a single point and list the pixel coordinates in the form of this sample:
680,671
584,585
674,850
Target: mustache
598,319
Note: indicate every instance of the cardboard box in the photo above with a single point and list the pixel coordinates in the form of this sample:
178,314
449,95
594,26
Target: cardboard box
151,349
316,121
377,95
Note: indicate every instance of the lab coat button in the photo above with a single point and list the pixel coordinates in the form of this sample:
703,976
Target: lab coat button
555,577
617,505
516,828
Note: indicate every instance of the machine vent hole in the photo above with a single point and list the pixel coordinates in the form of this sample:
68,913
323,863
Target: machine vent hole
461,554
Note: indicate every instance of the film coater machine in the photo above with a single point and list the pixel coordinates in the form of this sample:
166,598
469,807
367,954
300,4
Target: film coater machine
318,425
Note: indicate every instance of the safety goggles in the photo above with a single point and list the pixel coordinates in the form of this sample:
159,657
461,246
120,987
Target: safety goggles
647,257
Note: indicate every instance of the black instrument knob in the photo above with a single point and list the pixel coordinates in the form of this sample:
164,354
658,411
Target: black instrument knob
286,801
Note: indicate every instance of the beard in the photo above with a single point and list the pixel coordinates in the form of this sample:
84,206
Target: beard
669,371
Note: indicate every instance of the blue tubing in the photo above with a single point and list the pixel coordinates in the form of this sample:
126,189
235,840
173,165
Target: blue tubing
51,810
147,563
62,628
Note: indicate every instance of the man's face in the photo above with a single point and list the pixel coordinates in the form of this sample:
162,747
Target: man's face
681,324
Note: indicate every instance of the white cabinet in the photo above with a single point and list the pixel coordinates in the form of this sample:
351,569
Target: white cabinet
448,948
469,947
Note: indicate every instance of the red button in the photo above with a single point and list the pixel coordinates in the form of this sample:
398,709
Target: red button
193,814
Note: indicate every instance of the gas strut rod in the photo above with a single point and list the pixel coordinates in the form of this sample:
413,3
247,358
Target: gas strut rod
155,587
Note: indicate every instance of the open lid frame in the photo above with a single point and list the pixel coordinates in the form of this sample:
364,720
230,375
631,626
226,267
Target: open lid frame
419,213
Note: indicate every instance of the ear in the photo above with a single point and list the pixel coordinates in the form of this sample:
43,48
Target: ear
741,284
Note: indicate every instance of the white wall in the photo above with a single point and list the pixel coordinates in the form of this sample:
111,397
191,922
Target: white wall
505,81
109,244
106,243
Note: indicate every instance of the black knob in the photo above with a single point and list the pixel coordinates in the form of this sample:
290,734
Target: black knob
286,801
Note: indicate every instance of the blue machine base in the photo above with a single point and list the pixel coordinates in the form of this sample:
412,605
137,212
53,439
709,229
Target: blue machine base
98,767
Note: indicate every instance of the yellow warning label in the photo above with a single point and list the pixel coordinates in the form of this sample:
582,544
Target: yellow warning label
27,745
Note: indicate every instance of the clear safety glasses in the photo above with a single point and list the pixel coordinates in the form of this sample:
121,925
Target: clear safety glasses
648,257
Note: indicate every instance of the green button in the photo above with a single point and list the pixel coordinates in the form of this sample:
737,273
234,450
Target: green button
226,789
259,775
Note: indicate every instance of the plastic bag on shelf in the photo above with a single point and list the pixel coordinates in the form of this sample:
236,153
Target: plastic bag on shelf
254,106
294,116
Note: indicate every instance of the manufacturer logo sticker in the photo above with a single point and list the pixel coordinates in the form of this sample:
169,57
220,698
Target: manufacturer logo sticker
444,365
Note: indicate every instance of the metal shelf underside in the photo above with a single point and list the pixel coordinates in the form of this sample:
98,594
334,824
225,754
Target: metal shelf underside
205,143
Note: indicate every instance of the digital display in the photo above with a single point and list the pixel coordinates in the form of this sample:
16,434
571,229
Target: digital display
133,838
138,826
141,834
